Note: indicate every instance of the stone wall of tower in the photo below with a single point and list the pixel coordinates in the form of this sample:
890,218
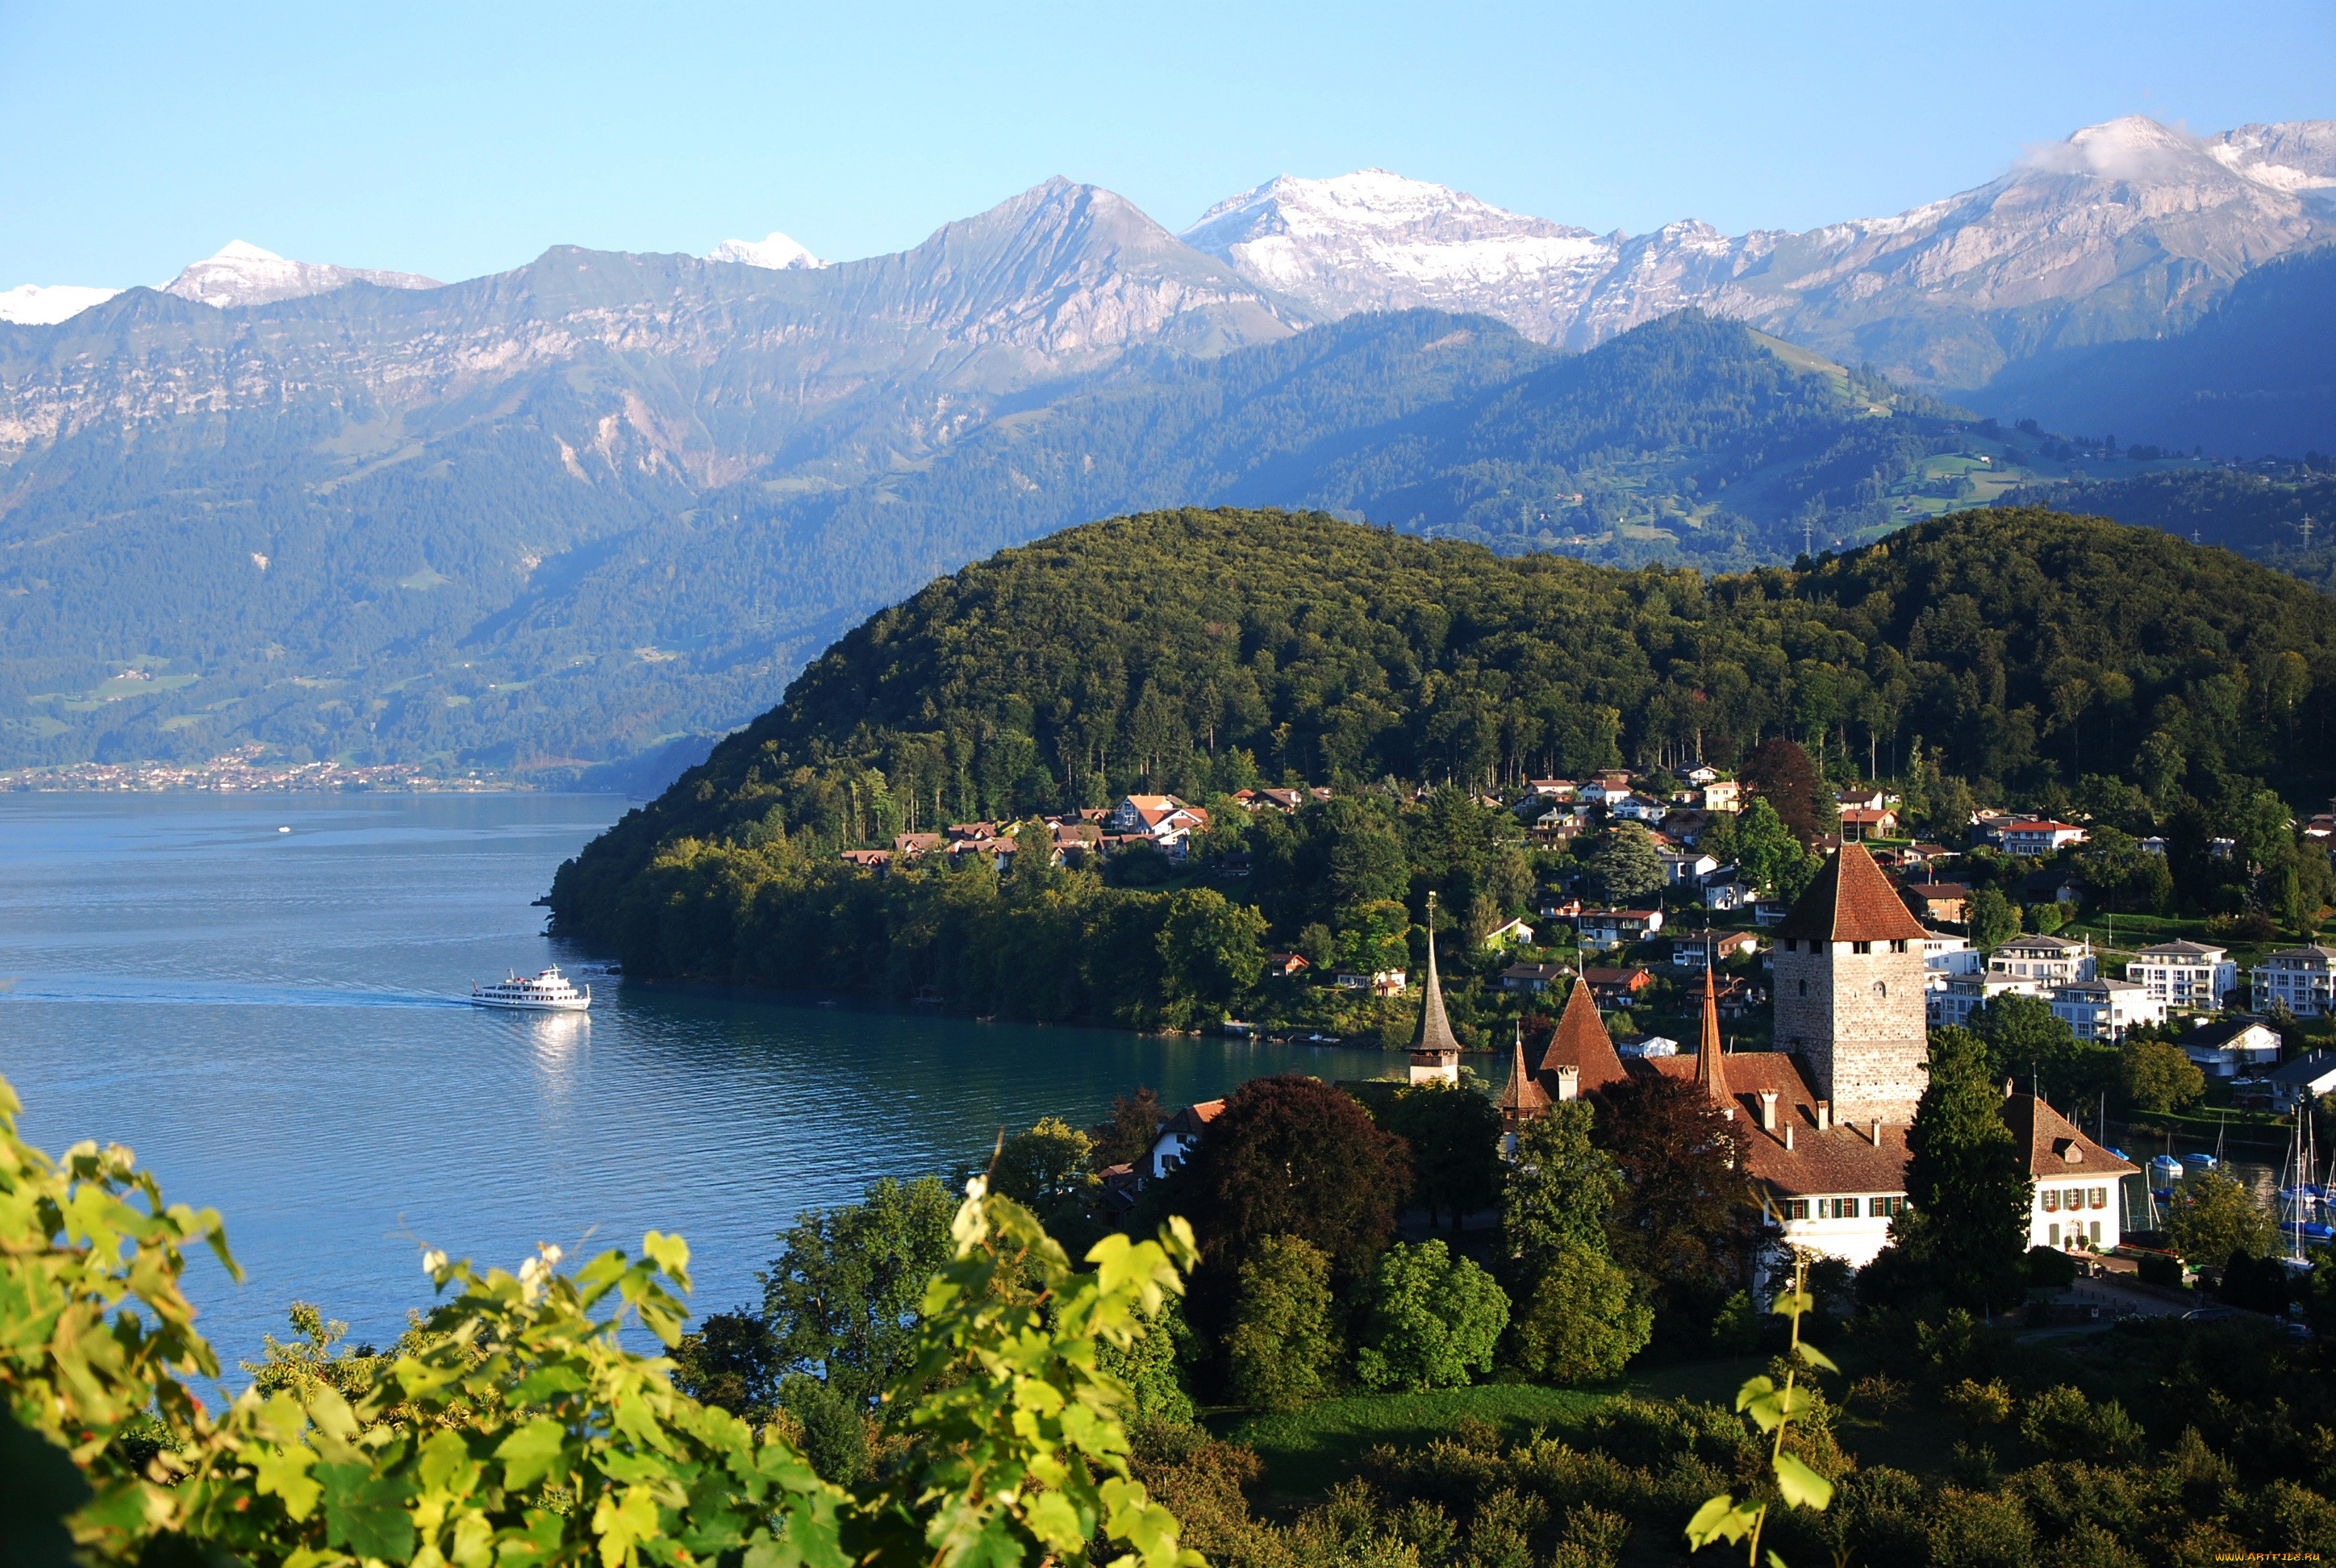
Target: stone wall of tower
1856,1019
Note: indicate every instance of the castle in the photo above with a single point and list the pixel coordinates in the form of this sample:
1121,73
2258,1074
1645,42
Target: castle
1825,1113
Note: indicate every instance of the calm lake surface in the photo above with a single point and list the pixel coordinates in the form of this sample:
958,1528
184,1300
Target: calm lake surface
274,1021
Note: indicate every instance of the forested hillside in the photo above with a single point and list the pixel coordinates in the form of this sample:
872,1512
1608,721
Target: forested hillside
2287,521
1198,650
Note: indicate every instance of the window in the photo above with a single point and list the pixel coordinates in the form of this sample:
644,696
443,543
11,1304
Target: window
1791,945
2051,1200
2051,1236
1804,987
1796,1208
1898,944
1880,987
2096,1231
1861,947
1887,1208
1844,1208
2100,1197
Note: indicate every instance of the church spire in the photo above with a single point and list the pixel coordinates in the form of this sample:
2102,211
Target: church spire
1522,1097
1434,1028
1710,1072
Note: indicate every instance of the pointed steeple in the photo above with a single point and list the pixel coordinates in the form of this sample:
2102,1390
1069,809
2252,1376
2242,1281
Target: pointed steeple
1522,1097
1582,1044
1851,900
1710,1072
1434,1028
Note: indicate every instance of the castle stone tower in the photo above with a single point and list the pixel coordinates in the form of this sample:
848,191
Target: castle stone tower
1849,991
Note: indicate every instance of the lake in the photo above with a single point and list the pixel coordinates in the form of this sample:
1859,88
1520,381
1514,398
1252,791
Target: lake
275,1022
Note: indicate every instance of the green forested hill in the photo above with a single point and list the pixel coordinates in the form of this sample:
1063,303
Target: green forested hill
2287,521
1190,649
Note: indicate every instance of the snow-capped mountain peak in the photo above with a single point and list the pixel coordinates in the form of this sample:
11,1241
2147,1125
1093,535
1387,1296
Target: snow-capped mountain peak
243,274
34,304
775,252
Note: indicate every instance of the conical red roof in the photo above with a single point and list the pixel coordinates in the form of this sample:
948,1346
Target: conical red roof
1434,1028
1582,1043
1852,901
1709,1071
1522,1097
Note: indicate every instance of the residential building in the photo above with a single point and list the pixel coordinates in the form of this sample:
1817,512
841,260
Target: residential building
2075,1205
1723,795
1938,901
2296,979
2104,1009
868,860
1533,977
1683,868
1378,982
1690,952
2050,960
1645,1047
1556,789
1635,807
2304,1079
2039,838
1610,926
1859,823
1509,935
1944,955
2185,974
2231,1047
1771,912
1727,896
1698,775
1864,798
1616,988
1179,1135
1286,966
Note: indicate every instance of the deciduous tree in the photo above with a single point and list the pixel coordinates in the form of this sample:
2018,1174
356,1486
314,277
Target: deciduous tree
1429,1319
1454,1137
1964,1233
1683,1224
1284,1346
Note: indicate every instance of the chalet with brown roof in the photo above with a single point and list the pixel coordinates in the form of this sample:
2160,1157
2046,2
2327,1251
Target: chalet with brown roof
1946,903
1859,823
1616,988
2074,1205
909,846
1179,1135
1286,966
868,860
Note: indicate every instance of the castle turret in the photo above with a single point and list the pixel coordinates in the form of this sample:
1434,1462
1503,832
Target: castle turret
1710,1072
1522,1098
1849,991
1581,1058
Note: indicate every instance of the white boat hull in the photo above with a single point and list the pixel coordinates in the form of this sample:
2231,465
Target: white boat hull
547,992
576,1004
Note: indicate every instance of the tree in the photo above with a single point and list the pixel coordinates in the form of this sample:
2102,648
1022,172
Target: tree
1682,1225
1292,1156
2215,1215
1780,773
842,1298
2027,1041
1210,955
1994,920
1627,866
1561,1189
1428,1317
1133,1129
2155,1074
1964,1233
1583,1320
1374,936
1046,1167
1284,1344
1768,855
1454,1138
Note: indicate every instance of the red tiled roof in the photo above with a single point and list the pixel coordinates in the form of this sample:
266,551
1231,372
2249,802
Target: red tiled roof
1708,1069
2048,1136
1192,1119
1852,901
1582,1042
1837,1159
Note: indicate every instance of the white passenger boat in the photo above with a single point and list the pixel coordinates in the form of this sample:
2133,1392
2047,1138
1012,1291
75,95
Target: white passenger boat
549,992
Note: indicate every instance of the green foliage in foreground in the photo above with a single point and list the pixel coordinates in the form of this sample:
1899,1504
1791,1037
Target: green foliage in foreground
1429,1319
516,1430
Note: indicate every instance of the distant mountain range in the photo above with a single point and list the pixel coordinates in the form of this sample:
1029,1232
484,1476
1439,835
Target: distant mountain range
560,516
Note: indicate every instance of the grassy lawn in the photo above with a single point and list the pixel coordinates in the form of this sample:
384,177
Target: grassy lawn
1308,1451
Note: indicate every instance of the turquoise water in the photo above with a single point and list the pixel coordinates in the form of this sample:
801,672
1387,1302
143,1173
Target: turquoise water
273,1021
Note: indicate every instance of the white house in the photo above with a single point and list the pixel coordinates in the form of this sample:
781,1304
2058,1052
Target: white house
1964,995
2039,838
1179,1134
1726,897
2185,974
2298,979
1722,795
1680,870
1508,935
1697,774
2052,960
2304,1078
2230,1047
1606,926
1634,807
1945,954
2104,1009
2075,1203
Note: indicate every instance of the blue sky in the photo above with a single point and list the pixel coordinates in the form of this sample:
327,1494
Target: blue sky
460,139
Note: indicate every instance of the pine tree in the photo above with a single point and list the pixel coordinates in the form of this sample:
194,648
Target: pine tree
1965,1231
